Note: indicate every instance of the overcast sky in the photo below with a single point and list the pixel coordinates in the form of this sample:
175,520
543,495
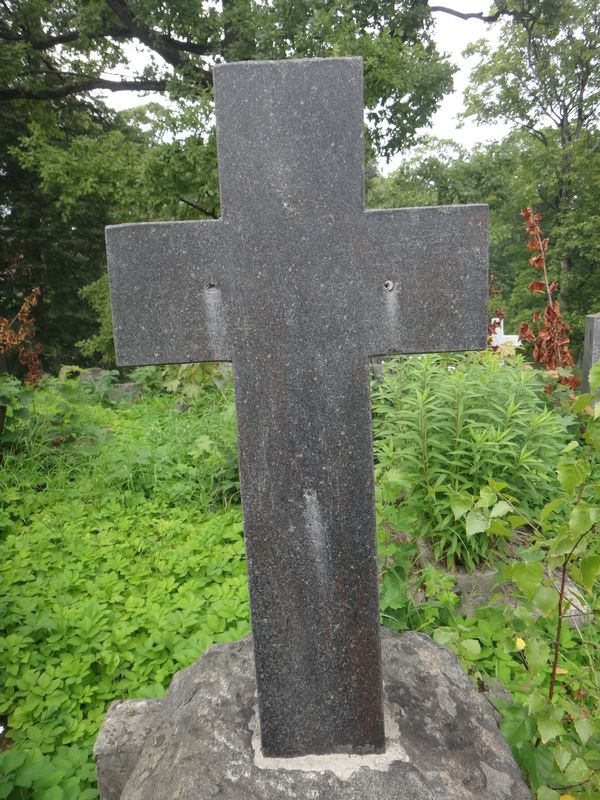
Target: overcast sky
452,35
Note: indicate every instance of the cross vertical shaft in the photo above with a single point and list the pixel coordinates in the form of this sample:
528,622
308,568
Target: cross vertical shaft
297,285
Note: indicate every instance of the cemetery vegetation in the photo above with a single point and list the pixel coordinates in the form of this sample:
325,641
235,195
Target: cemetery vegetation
71,165
122,552
121,542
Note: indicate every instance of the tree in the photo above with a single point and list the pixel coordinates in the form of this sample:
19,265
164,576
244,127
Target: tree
544,79
70,165
39,246
52,51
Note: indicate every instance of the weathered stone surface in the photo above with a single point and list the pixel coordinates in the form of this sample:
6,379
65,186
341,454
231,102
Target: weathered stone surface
298,285
121,741
591,348
446,741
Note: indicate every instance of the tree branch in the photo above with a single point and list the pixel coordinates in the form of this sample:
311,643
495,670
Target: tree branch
66,89
64,38
489,18
168,48
206,213
107,32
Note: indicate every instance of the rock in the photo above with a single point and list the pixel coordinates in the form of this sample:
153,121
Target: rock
200,741
478,588
122,740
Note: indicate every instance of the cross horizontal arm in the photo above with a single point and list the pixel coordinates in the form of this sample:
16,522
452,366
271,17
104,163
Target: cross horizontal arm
166,285
429,269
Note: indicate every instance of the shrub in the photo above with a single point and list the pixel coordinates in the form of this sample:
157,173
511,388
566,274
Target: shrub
447,425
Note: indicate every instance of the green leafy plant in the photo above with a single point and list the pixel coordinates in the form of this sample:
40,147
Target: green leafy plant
521,640
121,560
446,426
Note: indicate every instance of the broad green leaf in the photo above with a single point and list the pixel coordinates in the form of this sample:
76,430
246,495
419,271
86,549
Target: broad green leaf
572,474
460,504
562,756
498,527
546,599
527,575
590,569
517,725
500,509
393,593
545,793
582,518
471,646
562,545
573,445
577,771
11,760
444,636
585,729
549,724
53,793
476,523
551,507
516,520
592,434
537,654
487,498
535,703
594,377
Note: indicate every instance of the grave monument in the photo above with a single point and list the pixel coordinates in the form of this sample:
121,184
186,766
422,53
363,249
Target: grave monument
591,348
298,286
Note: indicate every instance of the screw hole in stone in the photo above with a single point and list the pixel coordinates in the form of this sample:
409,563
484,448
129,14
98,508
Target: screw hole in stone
388,285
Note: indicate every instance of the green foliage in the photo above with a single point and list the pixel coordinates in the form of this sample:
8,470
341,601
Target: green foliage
121,562
101,343
39,247
544,78
122,557
521,639
405,76
545,56
445,427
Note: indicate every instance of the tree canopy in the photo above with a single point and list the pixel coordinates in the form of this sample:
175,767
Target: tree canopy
70,165
56,50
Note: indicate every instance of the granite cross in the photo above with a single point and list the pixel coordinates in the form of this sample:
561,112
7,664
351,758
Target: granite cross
298,285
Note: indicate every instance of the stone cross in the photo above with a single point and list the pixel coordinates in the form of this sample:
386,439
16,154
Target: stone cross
298,286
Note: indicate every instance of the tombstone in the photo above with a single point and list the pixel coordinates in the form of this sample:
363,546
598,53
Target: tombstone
591,349
298,286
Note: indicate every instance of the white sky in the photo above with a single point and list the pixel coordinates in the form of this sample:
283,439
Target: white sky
452,35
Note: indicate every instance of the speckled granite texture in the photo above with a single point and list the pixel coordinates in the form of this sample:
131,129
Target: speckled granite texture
591,348
196,744
298,285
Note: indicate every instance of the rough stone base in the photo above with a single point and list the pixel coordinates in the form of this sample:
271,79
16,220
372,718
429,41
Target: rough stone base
200,741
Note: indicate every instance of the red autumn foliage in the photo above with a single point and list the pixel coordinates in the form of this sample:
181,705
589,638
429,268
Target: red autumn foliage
19,333
537,286
526,333
550,334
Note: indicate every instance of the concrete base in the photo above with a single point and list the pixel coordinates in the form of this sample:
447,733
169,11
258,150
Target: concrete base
201,741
